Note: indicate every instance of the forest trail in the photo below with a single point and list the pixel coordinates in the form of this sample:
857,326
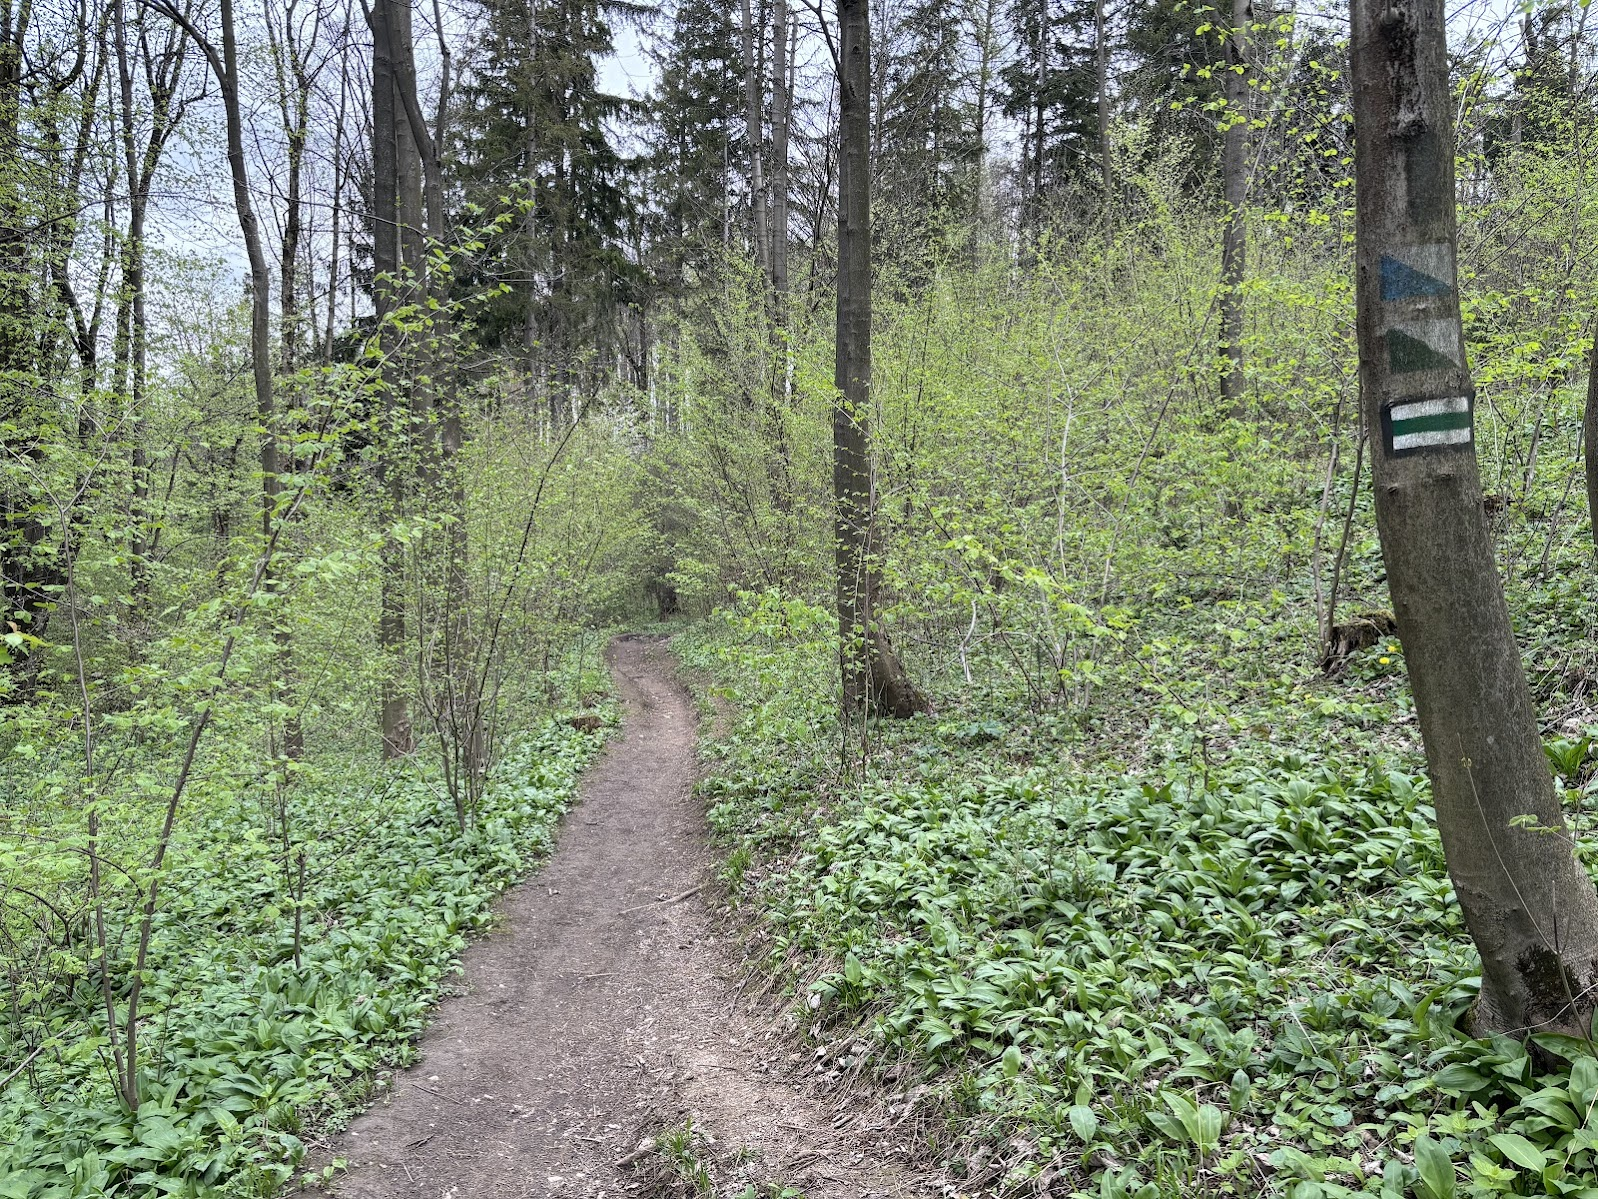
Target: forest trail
595,1016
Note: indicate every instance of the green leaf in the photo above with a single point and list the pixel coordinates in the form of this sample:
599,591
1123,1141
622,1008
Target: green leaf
1520,1151
853,971
1436,1171
1208,1131
1166,1126
1583,1080
1011,1061
1184,1111
1200,1125
1083,1122
1460,1079
1237,1097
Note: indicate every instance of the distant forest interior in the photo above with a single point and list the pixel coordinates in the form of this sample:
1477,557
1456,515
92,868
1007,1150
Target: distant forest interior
1116,478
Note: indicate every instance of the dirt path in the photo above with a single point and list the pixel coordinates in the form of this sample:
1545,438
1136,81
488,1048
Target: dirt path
597,1016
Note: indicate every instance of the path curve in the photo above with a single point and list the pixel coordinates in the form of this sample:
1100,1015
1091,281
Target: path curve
595,1016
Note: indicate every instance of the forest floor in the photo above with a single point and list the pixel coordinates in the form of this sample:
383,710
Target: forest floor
606,1011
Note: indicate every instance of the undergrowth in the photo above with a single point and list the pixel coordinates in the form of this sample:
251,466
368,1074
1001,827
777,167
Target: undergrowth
1193,936
271,1005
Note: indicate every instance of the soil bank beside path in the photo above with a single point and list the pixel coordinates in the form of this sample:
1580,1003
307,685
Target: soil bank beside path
596,1016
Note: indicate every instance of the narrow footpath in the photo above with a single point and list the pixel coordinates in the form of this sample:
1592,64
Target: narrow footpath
605,1009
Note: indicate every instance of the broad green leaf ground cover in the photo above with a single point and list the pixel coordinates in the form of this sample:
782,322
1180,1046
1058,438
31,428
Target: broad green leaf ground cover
1191,937
245,1049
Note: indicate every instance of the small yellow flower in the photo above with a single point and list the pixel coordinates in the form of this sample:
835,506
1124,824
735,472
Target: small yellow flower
1392,649
1385,661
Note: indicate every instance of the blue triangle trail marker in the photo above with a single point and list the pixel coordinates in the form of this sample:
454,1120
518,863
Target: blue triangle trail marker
1400,281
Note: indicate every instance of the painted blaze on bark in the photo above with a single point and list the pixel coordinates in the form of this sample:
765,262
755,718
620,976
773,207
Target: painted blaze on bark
1530,905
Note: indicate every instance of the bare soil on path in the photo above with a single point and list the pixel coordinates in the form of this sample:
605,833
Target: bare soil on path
605,1009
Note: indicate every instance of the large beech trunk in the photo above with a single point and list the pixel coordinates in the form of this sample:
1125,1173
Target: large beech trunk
872,675
1530,906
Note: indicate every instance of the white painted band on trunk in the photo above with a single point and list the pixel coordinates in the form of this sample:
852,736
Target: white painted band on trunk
1418,441
1419,408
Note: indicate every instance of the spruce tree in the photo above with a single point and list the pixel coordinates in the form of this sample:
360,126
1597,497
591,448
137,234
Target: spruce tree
1051,92
928,142
696,113
536,142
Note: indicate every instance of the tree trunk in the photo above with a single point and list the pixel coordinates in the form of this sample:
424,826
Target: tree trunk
987,54
294,109
1589,436
781,104
1234,181
873,678
132,321
412,213
754,137
457,664
396,720
1040,67
260,276
337,163
27,576
1101,57
1530,906
225,68
163,73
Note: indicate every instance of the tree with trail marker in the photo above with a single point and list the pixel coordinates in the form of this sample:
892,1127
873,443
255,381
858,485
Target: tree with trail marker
1530,906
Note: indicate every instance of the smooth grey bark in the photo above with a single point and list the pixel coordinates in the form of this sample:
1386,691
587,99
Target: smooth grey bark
873,678
260,275
408,160
294,78
1234,182
1530,906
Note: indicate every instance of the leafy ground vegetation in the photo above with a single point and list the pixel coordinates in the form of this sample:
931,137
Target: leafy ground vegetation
1153,903
297,586
282,975
1145,948
223,913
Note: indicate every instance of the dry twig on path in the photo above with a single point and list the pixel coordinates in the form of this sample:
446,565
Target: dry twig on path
660,903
